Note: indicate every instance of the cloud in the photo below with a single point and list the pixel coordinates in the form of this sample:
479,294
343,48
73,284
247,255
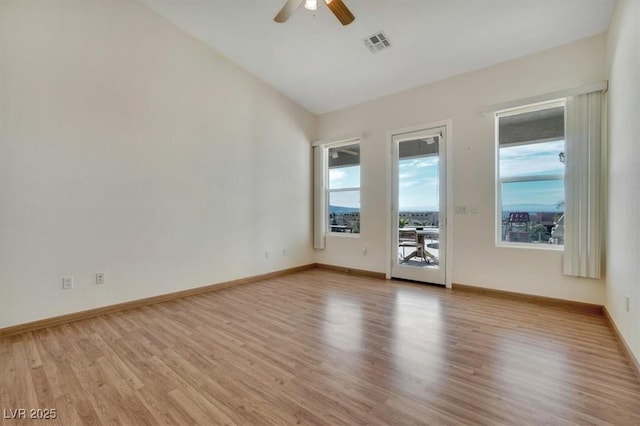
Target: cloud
427,162
531,159
344,177
406,175
418,181
408,183
336,175
419,163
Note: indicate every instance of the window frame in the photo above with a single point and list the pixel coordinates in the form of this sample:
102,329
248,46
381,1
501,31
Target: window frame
499,181
328,191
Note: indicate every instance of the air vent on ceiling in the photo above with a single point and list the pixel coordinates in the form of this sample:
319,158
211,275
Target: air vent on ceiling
377,42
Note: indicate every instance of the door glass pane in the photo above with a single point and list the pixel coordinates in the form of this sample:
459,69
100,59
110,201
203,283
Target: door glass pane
418,203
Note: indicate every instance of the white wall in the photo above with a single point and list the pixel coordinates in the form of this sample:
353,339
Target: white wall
623,261
476,259
130,148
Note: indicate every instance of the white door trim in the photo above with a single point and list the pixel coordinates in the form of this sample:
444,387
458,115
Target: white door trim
392,251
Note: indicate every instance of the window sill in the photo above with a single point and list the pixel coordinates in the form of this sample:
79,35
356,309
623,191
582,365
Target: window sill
548,247
342,234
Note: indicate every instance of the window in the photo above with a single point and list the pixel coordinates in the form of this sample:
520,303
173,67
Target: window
531,154
343,188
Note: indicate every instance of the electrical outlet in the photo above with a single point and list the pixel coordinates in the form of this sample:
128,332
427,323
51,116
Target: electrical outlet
266,254
364,251
626,303
67,283
99,278
284,252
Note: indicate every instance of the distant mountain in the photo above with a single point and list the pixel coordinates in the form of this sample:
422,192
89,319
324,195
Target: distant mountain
419,209
529,208
533,208
342,210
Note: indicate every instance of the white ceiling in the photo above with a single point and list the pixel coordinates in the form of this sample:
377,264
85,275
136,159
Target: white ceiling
324,66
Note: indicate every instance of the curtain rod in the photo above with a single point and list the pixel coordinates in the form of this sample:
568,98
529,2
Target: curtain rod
581,90
338,140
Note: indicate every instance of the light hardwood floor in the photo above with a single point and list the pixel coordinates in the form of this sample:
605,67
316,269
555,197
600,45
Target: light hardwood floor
319,347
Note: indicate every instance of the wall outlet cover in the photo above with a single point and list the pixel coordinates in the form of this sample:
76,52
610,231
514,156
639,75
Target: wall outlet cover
67,283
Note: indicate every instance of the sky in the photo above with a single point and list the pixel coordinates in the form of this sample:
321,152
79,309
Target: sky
345,177
418,184
532,160
418,179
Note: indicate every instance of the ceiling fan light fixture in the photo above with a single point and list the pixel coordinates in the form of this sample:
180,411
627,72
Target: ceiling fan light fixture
337,7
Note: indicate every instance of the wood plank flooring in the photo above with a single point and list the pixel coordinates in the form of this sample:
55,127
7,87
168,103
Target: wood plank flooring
318,347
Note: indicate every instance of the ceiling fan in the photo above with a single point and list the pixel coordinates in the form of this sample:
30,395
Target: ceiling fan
338,8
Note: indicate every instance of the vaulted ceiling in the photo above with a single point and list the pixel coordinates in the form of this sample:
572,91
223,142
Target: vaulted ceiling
325,66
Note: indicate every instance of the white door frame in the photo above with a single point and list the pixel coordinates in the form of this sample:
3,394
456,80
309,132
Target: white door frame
448,219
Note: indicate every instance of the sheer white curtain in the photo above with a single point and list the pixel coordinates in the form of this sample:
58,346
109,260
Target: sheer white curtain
583,186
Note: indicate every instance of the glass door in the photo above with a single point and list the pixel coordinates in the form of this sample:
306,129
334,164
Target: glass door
418,193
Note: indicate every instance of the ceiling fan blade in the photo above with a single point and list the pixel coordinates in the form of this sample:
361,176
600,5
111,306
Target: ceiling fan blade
287,10
341,11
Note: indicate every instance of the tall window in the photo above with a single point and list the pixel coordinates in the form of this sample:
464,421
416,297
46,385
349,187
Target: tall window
343,188
531,154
